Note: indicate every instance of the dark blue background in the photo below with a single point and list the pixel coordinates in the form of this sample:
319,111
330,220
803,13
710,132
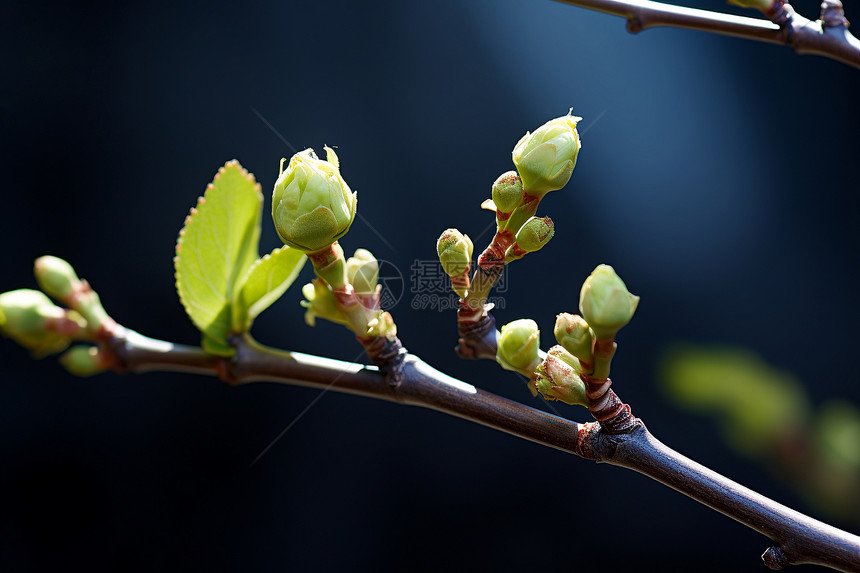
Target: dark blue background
719,176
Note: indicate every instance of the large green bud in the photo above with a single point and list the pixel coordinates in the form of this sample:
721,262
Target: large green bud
362,272
605,302
545,159
455,252
312,205
558,378
56,277
27,316
518,345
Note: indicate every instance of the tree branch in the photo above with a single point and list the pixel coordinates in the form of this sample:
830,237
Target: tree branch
798,538
828,36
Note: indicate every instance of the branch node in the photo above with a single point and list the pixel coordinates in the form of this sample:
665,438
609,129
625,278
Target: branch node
114,347
780,13
477,339
833,15
224,367
775,558
388,354
634,25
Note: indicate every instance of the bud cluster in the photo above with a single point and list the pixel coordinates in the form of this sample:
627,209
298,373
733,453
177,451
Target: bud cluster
32,320
579,364
544,162
313,207
347,292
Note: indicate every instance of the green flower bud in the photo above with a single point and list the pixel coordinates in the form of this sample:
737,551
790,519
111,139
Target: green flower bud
574,334
455,252
532,236
518,345
605,302
320,302
507,192
535,234
312,205
362,271
557,378
84,361
26,318
56,277
545,159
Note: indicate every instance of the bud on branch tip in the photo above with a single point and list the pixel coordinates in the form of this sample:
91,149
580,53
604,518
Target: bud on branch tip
545,159
56,277
605,302
312,206
519,345
455,253
30,318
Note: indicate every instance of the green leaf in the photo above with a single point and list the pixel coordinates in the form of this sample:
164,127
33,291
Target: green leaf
267,279
216,247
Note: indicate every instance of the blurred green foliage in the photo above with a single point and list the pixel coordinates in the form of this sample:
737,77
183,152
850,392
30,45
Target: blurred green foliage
765,414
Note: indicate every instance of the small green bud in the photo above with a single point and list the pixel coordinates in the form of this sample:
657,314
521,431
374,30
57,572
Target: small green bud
26,318
84,361
573,333
532,236
362,271
518,345
455,252
562,354
545,159
312,205
557,378
56,277
605,302
320,302
535,234
381,325
507,192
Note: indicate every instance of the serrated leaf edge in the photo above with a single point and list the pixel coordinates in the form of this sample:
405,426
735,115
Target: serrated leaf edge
190,220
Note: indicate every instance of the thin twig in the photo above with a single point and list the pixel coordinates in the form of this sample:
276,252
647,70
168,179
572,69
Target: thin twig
828,36
798,538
